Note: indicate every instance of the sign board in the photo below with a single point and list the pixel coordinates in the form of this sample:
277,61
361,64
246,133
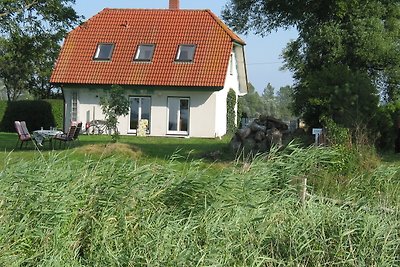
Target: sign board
317,131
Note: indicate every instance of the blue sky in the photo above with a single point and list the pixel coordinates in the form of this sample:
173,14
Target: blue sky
263,55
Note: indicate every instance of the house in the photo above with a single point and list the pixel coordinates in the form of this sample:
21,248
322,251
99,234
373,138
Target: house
175,65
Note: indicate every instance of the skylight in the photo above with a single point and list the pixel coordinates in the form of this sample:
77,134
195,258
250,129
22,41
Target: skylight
185,53
104,51
144,52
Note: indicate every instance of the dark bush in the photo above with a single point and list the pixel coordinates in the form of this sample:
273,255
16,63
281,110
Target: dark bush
58,111
386,126
36,114
230,113
3,107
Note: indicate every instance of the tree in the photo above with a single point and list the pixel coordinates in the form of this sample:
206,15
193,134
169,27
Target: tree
16,64
47,48
251,104
284,102
337,93
114,105
30,33
37,16
268,99
361,36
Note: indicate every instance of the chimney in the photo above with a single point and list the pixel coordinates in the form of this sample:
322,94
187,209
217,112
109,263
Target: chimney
174,4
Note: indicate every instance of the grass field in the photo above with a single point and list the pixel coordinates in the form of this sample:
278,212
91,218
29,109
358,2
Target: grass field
164,204
150,148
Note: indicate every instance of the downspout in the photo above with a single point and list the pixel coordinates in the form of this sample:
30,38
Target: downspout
62,91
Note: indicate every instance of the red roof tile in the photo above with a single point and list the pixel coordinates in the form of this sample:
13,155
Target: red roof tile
128,28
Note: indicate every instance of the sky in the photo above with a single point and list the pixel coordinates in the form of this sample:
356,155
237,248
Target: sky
263,54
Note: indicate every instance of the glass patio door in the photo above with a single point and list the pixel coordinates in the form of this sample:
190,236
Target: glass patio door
140,110
178,115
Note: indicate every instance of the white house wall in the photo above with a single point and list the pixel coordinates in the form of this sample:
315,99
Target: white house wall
202,118
231,82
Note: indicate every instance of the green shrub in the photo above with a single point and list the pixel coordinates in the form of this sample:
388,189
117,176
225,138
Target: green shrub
336,135
353,148
385,127
3,107
230,112
36,114
57,107
239,111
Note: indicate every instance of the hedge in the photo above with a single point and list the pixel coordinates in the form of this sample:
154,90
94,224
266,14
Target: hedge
36,113
58,111
230,105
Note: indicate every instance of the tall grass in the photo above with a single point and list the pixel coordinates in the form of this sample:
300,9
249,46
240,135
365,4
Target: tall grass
115,212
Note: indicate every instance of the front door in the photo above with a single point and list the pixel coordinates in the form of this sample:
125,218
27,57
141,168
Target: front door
178,115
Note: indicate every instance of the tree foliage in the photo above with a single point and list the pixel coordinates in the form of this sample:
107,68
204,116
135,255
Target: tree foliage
30,34
362,37
15,64
251,103
335,92
271,103
284,101
37,16
114,105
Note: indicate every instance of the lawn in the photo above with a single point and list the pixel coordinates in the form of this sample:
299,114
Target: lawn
150,148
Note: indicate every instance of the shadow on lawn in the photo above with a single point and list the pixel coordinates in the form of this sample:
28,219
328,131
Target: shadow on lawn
218,152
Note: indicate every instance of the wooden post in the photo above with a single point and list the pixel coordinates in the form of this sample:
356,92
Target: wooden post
303,193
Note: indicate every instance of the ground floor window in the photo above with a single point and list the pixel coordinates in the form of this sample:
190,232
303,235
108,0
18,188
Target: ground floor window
178,115
140,110
74,106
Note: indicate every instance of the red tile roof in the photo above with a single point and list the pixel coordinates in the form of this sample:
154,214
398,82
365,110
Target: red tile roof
128,28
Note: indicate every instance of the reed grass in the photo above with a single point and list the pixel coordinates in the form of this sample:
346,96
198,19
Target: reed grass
57,211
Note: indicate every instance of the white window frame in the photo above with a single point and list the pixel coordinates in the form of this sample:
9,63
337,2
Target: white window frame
133,131
143,47
98,49
74,106
178,132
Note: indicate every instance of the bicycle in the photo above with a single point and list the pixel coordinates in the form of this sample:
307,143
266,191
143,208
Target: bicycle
96,127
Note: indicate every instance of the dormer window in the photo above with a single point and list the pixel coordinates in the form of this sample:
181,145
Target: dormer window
185,53
104,51
144,52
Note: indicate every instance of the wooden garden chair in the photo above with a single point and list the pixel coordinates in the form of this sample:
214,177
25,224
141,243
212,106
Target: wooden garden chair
66,137
23,133
77,132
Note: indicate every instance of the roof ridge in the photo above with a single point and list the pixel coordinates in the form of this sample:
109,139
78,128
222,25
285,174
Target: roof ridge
231,34
154,9
84,24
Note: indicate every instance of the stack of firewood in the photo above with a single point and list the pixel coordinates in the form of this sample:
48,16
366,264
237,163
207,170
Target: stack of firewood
259,136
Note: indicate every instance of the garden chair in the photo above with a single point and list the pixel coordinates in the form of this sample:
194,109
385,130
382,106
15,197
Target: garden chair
23,133
66,137
77,132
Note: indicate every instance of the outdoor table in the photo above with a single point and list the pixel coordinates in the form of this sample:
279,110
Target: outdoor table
42,135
